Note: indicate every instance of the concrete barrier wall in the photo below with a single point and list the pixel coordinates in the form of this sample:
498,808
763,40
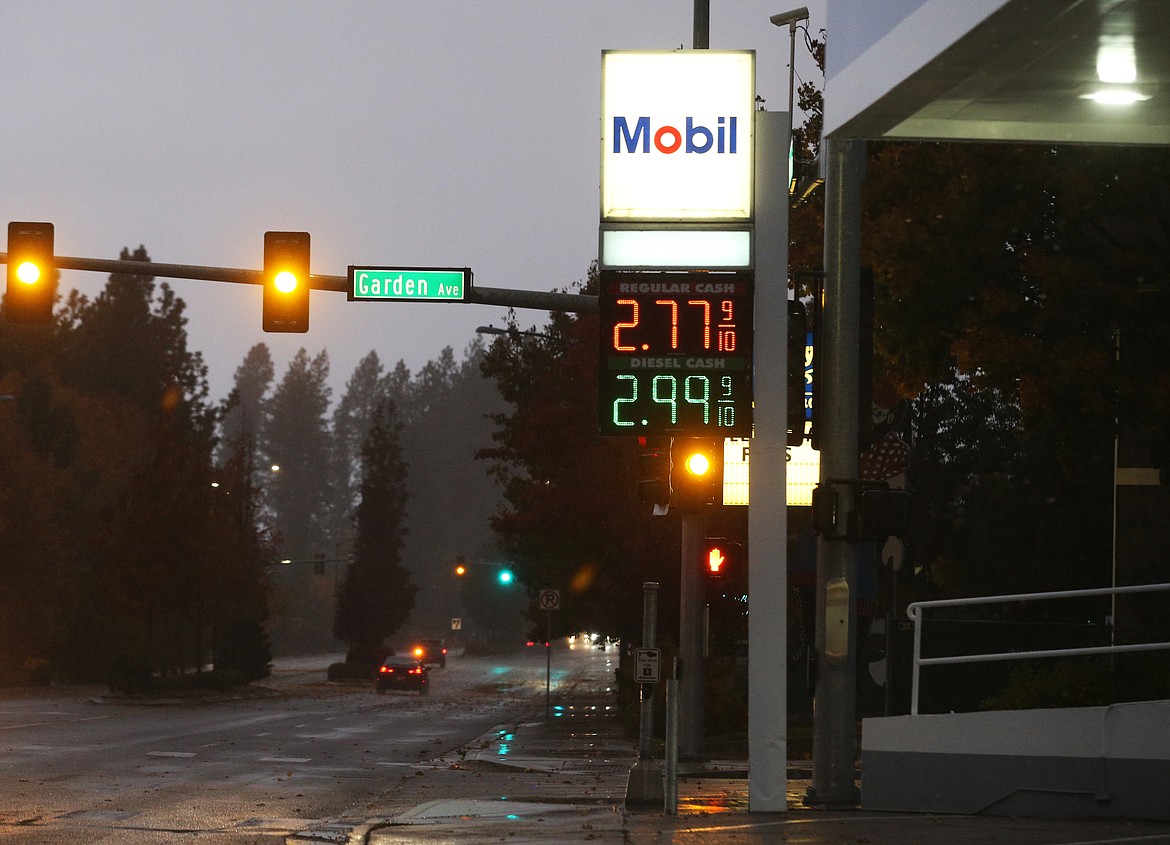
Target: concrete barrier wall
1089,761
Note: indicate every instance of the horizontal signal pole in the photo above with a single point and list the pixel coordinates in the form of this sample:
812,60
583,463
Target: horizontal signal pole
540,300
573,303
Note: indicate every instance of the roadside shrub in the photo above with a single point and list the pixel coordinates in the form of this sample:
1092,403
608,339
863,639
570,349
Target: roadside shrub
351,671
1084,682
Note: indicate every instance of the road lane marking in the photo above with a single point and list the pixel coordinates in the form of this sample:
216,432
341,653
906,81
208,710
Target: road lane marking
183,754
55,722
285,759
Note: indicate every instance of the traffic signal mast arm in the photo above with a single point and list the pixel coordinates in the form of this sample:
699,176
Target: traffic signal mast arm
539,300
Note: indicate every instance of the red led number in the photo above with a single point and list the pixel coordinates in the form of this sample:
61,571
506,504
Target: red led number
617,329
673,306
723,336
706,307
727,326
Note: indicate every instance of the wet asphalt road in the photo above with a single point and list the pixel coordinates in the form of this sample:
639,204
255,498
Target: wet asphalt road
79,766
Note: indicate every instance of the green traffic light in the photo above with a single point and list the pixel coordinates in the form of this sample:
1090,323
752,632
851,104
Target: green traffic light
505,576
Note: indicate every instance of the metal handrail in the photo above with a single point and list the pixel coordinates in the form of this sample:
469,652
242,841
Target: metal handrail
915,612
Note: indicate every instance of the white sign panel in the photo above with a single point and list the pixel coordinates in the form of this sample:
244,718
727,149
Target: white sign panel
802,472
676,135
647,665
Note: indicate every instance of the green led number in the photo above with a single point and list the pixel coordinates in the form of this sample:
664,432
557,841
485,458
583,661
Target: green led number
633,397
701,385
671,400
726,405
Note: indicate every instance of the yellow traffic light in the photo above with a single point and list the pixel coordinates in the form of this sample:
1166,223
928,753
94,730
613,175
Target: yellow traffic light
698,464
461,570
696,472
286,282
30,273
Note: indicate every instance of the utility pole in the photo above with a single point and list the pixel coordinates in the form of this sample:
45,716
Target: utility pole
690,640
835,713
702,36
768,510
691,603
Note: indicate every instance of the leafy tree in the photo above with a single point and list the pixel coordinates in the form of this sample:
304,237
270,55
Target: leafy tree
1007,280
1048,254
571,519
1003,274
376,596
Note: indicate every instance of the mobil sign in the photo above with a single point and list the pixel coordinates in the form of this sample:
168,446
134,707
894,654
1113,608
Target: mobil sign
676,135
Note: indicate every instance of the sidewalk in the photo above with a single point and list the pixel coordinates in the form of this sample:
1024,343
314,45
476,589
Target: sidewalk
563,780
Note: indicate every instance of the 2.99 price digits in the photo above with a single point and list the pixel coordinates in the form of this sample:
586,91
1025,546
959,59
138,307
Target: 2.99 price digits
674,393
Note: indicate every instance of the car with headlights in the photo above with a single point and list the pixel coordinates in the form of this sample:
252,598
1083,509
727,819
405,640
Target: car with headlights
405,673
430,653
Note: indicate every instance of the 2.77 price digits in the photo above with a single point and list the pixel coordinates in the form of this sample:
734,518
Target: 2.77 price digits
710,401
658,329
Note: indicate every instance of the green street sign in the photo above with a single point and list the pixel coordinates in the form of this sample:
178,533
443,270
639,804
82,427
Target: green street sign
408,284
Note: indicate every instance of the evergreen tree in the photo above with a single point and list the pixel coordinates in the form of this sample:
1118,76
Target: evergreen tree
243,410
376,596
296,438
240,551
431,385
131,341
352,420
148,563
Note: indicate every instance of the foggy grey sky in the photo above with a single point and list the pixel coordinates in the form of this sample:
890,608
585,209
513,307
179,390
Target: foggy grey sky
402,133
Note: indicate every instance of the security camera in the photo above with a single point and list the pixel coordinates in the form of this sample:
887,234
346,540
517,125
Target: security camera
790,18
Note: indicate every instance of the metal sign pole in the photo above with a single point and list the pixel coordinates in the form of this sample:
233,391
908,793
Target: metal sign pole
548,663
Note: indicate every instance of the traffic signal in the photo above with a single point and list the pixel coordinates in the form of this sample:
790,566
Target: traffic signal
797,341
505,577
460,566
30,273
696,472
654,471
860,511
721,556
286,281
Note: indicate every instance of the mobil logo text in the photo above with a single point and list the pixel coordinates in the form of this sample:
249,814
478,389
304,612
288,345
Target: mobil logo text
638,135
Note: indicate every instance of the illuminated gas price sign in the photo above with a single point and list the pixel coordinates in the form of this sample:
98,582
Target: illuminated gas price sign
676,354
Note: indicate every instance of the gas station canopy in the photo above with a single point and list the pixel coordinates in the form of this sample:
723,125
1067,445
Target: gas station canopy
1058,71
